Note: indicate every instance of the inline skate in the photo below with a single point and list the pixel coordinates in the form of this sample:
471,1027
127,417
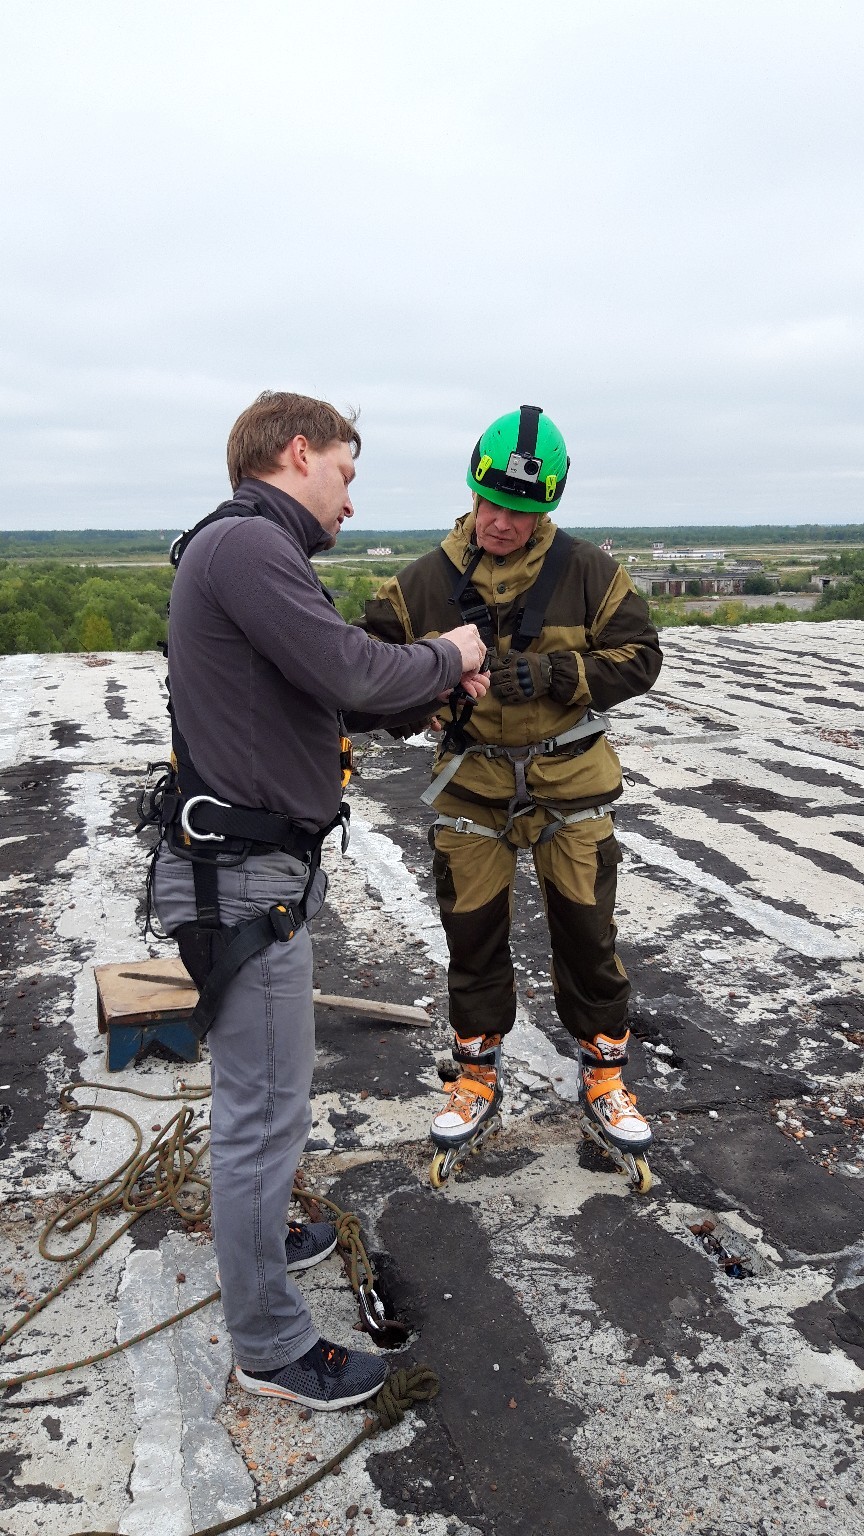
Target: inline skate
609,1113
472,1110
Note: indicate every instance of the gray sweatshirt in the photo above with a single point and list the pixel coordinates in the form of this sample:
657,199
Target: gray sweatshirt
260,662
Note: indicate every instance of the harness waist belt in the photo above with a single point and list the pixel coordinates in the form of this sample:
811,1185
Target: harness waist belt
587,731
203,818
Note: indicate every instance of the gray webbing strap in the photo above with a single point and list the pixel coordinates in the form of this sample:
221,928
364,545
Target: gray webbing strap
443,779
589,725
464,824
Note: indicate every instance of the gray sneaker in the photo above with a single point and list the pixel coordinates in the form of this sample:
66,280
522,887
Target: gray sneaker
308,1242
326,1377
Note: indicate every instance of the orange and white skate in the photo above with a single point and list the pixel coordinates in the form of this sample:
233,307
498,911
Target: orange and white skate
471,1112
610,1116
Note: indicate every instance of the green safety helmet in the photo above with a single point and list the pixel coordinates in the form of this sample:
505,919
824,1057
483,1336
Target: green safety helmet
521,462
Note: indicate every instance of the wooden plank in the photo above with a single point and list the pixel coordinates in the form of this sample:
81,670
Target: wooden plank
400,1013
143,990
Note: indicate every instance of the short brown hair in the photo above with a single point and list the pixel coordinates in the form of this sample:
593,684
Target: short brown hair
267,426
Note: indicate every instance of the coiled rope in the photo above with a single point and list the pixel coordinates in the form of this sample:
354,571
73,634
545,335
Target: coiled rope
166,1172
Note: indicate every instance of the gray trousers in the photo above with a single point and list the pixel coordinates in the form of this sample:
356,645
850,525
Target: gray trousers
262,1051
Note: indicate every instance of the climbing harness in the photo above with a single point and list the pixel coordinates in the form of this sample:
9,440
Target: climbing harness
167,1173
589,728
476,828
527,627
199,826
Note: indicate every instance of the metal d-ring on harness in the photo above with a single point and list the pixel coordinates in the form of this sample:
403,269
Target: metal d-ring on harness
209,832
455,739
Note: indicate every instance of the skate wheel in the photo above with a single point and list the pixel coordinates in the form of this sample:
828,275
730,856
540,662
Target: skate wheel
643,1180
437,1177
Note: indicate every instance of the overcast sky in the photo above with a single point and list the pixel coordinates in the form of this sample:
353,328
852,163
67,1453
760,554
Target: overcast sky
643,215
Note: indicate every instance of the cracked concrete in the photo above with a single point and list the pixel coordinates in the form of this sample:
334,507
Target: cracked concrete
652,1392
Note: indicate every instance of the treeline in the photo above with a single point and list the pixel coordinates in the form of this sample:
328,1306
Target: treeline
86,544
683,536
54,607
51,606
142,543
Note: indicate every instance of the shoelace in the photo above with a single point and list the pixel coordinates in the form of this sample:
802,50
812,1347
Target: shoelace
462,1096
296,1233
333,1357
622,1102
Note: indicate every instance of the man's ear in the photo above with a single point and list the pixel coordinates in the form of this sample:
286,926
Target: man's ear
297,454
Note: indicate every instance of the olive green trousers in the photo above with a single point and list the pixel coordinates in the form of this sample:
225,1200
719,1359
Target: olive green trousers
577,871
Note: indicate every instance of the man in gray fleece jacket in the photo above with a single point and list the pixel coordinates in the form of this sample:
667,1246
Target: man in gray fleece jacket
261,665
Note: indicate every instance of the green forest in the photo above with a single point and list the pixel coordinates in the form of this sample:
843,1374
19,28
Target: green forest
153,543
53,605
56,606
50,606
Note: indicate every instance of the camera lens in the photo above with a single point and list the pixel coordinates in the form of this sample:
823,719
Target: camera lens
532,466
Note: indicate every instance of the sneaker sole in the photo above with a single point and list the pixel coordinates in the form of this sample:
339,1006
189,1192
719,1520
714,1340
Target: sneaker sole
271,1389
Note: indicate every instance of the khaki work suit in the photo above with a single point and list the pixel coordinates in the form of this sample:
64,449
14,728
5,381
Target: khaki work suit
605,651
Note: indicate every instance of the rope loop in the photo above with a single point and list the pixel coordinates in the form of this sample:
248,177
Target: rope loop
401,1390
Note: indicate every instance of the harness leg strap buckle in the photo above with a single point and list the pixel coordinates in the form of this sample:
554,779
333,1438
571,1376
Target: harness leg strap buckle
284,921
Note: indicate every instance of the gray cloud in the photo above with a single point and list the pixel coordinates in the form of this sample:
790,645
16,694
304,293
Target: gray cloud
644,216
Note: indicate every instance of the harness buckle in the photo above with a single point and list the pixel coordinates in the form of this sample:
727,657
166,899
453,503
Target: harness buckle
201,837
284,921
345,824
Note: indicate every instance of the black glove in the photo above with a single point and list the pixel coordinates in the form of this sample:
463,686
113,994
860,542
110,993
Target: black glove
520,676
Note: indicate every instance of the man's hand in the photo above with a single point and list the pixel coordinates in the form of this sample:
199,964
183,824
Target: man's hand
470,647
520,676
475,684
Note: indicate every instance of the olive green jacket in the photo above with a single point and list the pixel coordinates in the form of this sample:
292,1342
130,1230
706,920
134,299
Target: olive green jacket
597,625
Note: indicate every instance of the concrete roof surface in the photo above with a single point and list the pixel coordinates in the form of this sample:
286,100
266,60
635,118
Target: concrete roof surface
600,1371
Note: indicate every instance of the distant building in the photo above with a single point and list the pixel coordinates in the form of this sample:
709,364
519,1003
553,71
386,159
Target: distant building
727,583
606,546
381,549
659,553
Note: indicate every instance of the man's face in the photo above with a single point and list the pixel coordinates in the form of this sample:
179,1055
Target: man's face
325,493
501,531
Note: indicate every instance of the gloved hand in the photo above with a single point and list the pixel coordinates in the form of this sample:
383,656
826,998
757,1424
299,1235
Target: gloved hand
520,676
